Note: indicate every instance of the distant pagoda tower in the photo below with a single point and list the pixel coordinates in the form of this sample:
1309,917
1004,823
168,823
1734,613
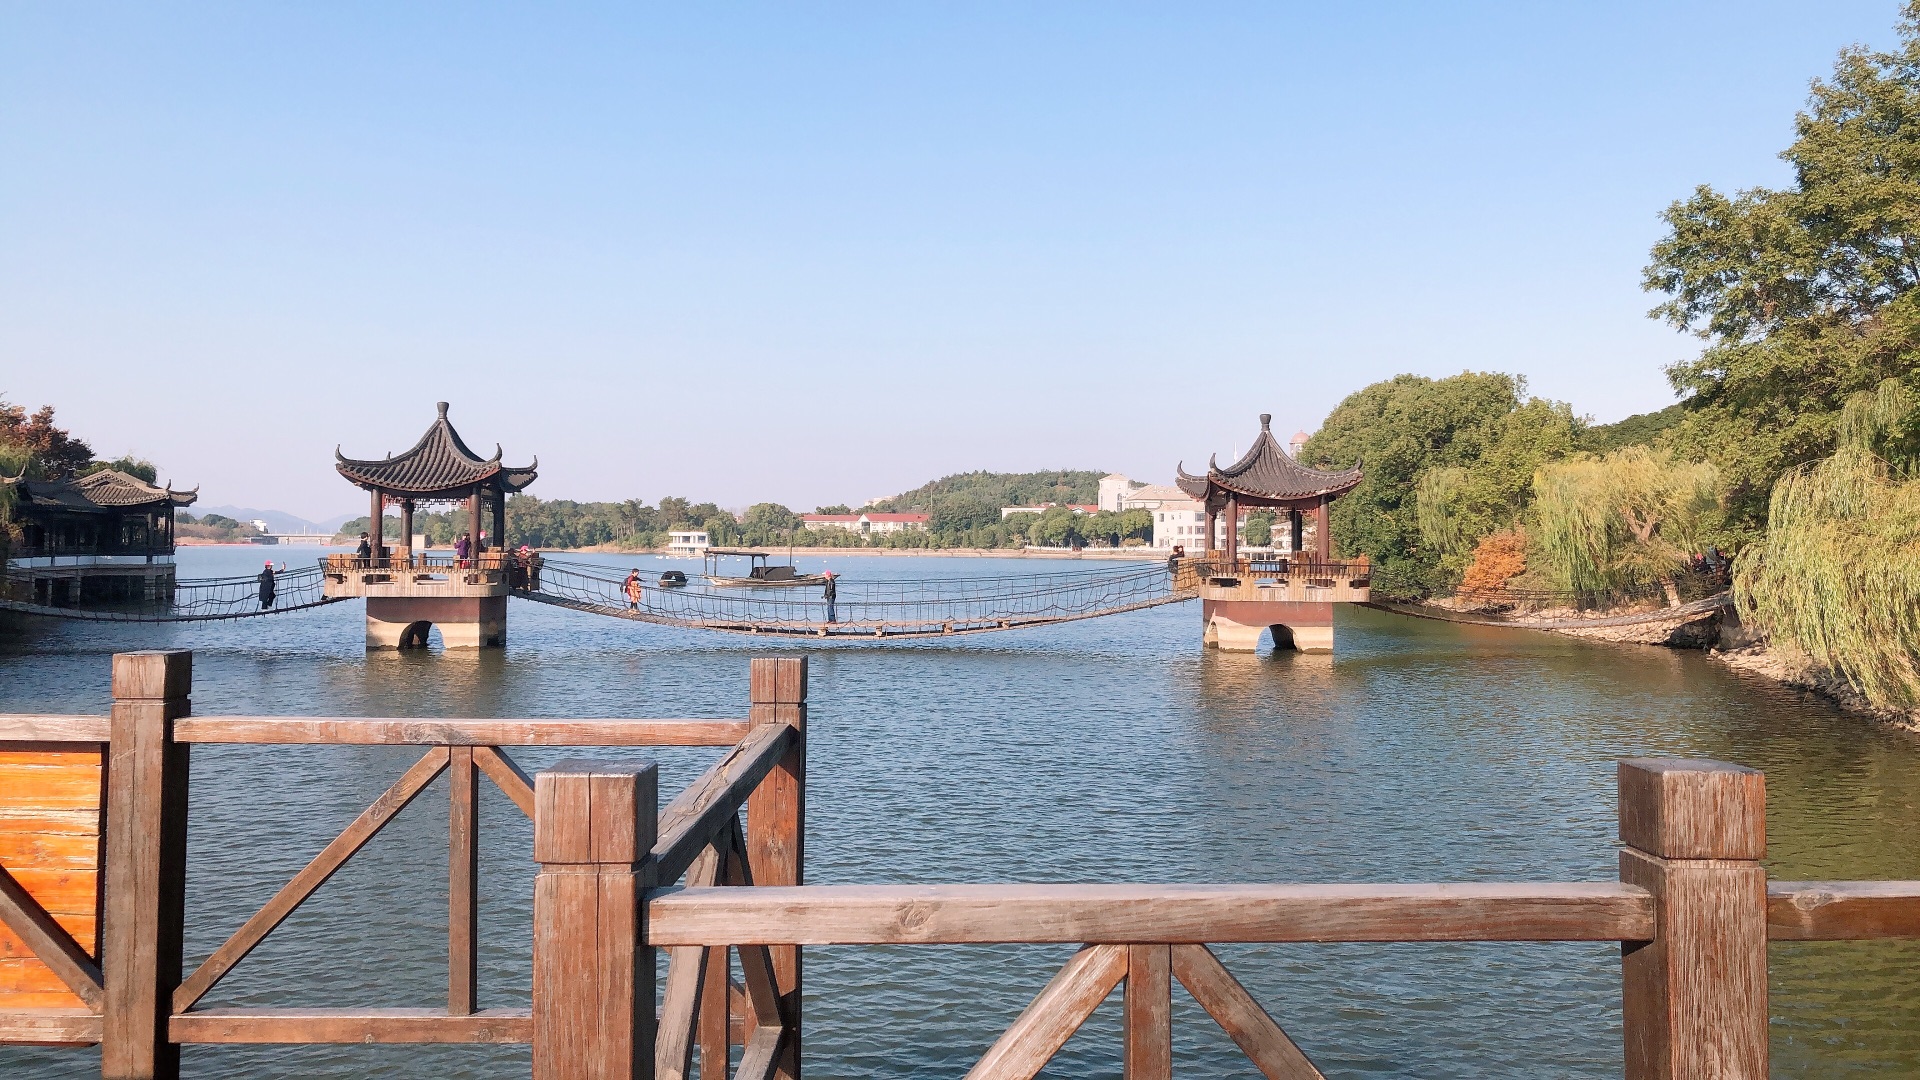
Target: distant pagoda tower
1293,593
409,592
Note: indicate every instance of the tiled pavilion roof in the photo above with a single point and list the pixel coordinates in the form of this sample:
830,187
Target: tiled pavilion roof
108,489
1268,473
440,465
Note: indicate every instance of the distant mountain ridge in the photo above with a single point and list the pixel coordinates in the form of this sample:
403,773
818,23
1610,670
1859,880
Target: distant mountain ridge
278,521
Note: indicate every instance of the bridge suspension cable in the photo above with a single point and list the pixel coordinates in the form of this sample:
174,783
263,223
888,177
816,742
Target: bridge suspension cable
930,607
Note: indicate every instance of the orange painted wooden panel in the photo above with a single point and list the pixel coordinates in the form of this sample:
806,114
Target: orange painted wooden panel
20,849
82,927
66,999
62,892
50,803
51,787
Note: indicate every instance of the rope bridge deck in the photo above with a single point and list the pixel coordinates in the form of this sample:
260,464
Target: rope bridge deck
193,600
934,607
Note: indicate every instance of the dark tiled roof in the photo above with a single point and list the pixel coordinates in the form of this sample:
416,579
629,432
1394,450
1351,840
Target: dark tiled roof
1266,471
440,464
107,489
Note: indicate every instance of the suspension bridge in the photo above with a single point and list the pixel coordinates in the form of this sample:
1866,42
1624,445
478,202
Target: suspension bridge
903,608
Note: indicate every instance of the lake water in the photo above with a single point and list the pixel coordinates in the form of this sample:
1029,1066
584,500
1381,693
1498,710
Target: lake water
1108,750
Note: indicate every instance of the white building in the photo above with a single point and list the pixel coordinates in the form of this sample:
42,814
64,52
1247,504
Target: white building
687,541
1185,524
1114,489
871,523
1078,508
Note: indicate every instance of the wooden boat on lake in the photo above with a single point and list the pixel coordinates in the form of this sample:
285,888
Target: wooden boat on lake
759,574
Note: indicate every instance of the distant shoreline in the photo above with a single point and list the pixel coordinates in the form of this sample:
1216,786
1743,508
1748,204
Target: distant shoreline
1145,554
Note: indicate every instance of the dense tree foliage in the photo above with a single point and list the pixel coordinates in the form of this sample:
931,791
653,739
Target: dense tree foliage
968,501
54,450
1481,425
1805,295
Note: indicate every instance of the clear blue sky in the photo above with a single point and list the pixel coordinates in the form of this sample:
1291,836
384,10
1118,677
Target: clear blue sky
815,253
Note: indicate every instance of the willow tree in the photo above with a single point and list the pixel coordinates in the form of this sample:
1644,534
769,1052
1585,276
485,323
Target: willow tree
1837,575
1629,518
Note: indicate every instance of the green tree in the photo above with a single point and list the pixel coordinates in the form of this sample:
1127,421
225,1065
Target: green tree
1805,295
1479,422
1260,528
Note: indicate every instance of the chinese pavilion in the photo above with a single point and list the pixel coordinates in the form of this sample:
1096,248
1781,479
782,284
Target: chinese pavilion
410,592
1294,596
105,536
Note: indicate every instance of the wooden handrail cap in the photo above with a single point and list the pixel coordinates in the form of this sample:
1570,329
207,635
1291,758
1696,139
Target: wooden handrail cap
1693,808
587,811
153,675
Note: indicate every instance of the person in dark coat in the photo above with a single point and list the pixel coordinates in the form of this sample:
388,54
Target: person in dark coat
365,550
266,586
828,592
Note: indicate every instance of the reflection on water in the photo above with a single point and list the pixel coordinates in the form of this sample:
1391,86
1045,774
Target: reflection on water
1108,750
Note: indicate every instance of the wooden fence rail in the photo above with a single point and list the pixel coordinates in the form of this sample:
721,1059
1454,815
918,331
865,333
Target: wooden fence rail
132,996
1692,907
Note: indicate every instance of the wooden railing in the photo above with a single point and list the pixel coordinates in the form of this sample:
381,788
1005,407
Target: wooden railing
1692,907
596,828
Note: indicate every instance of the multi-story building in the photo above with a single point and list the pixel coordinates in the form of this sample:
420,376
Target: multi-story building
871,523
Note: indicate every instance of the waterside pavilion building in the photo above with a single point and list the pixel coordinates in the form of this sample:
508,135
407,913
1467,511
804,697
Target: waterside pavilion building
1293,596
407,592
104,537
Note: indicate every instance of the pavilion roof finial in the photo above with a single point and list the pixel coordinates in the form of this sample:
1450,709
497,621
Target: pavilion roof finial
442,406
1266,421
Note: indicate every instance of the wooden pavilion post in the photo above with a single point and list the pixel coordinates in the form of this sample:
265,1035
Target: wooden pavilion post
1694,1000
1207,541
1233,528
1322,533
377,524
473,522
406,530
500,518
776,824
593,974
145,873
1297,532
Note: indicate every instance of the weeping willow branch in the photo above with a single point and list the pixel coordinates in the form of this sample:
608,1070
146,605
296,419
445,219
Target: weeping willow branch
1630,518
1838,575
1436,503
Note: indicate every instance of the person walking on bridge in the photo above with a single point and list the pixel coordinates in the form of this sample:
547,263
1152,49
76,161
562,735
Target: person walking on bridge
267,586
829,592
633,589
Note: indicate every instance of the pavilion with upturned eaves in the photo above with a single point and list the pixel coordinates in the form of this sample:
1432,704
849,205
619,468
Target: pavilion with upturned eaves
103,537
1294,596
408,592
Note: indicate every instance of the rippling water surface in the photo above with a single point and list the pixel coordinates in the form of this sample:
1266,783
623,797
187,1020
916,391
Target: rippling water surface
1109,750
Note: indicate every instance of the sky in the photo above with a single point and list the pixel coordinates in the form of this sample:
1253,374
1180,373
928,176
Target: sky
820,253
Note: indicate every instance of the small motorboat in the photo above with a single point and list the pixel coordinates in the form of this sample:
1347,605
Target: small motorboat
759,574
673,579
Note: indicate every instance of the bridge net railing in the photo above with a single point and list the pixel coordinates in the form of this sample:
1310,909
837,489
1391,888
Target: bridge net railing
42,591
909,606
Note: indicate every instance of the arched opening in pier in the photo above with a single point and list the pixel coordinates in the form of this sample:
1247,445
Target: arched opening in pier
415,635
1282,637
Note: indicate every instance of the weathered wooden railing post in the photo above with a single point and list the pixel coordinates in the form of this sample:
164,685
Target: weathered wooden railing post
777,820
144,883
1695,997
593,979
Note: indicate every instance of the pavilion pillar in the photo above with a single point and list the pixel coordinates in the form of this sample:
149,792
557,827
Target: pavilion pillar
500,519
1297,532
1207,541
1323,533
377,524
1233,528
406,530
473,520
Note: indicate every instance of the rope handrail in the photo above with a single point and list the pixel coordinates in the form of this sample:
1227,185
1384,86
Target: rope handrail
188,600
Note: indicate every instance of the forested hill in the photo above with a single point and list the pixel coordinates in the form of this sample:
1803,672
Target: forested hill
973,499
